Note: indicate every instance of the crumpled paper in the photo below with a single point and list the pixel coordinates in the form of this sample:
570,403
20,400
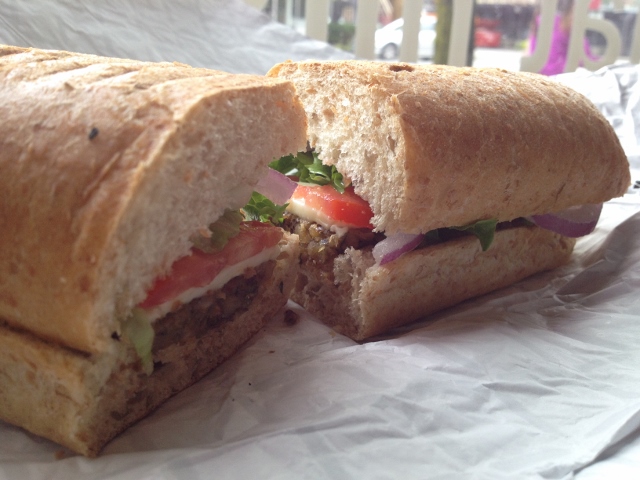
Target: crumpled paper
538,380
226,35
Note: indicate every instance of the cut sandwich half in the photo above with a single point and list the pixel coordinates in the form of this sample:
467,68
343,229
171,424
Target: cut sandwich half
128,269
423,186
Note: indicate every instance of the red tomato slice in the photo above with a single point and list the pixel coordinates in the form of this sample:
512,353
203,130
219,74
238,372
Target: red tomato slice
345,208
200,268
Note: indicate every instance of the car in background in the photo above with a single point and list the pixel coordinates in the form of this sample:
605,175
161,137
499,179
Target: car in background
389,38
487,38
487,32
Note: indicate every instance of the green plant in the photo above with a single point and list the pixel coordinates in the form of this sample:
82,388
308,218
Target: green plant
341,35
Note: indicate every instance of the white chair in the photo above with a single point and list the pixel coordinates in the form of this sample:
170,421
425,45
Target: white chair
317,13
576,55
366,22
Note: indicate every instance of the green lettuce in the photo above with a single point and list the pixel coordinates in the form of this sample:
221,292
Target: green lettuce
138,330
226,227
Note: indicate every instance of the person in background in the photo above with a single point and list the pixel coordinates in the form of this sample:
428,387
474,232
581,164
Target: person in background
559,40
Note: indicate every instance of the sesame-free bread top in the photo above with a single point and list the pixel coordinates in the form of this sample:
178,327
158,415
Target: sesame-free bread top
369,299
432,146
107,167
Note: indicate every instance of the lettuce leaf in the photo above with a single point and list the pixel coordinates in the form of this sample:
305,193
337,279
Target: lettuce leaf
226,227
308,168
138,330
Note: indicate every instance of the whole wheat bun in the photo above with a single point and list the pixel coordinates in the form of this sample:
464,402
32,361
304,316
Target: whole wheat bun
361,299
83,400
432,146
438,146
108,166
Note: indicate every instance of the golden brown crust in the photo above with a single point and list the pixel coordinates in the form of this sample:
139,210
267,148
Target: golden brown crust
439,146
368,300
108,166
82,401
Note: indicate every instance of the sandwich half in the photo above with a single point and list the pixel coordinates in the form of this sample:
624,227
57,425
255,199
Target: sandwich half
127,271
440,184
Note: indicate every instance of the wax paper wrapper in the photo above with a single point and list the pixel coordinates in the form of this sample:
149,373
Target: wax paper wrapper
538,380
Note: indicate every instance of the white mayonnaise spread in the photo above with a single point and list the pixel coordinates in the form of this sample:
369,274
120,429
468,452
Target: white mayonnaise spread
221,279
298,207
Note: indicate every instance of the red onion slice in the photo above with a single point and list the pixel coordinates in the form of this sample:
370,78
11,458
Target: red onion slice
276,187
573,222
394,246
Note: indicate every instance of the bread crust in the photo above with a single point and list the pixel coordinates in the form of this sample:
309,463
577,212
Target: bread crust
362,299
437,146
82,400
108,166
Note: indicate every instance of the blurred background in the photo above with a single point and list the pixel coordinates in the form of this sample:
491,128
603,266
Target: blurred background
502,32
250,36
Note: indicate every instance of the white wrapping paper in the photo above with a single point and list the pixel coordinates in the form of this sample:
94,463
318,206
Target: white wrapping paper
222,34
539,380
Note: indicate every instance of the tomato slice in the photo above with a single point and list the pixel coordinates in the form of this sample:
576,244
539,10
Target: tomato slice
343,209
200,268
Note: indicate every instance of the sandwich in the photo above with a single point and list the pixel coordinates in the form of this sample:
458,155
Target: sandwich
424,186
129,267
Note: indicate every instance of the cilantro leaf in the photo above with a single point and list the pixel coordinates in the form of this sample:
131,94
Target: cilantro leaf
483,229
309,169
264,210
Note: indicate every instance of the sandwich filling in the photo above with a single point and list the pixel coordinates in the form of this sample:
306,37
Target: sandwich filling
330,217
195,274
219,278
226,274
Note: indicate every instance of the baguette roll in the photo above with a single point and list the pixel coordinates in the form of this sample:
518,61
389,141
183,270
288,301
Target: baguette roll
438,147
108,169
